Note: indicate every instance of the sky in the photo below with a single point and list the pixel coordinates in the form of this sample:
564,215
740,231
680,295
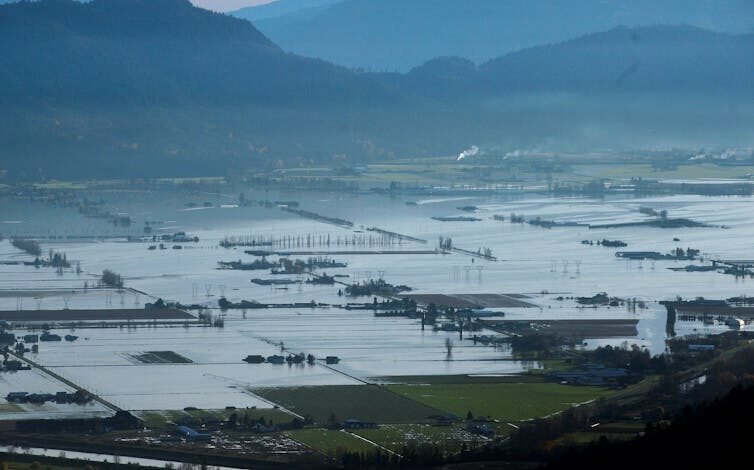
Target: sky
227,5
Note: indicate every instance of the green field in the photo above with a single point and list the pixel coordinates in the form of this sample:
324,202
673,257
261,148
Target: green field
508,402
534,375
330,442
364,402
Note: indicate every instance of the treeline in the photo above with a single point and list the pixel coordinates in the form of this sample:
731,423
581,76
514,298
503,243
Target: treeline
633,358
32,247
538,345
56,260
318,217
242,422
410,456
375,287
300,266
28,245
122,420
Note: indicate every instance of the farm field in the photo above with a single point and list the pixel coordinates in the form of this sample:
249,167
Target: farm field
369,403
504,402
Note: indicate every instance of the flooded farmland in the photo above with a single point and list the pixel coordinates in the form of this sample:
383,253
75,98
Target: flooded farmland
548,268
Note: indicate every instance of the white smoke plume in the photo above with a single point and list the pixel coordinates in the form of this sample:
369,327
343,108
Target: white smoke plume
518,153
727,154
469,152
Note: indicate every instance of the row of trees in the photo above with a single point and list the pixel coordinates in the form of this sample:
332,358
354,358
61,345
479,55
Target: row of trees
632,358
244,421
28,245
410,456
375,287
32,247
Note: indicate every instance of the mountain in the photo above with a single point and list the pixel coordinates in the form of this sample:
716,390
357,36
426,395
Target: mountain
627,88
161,88
279,8
151,51
158,85
396,35
656,58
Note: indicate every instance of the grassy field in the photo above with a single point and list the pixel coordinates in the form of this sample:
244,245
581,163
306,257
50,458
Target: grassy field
10,408
330,442
364,402
446,170
627,171
533,376
509,402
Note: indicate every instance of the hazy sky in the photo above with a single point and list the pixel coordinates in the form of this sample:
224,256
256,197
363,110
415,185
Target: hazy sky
227,5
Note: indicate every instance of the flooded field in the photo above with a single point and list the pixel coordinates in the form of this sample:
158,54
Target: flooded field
540,270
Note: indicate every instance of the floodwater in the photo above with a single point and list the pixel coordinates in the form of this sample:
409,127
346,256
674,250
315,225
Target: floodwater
542,263
105,458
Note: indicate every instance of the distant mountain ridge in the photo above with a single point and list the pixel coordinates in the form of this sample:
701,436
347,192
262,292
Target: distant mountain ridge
169,51
622,59
397,35
159,87
657,59
653,57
